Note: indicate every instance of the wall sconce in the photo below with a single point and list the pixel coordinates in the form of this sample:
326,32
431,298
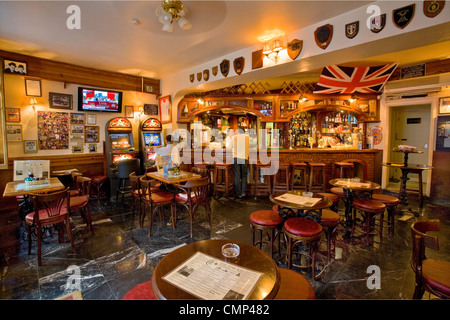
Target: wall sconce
302,99
271,49
353,98
33,103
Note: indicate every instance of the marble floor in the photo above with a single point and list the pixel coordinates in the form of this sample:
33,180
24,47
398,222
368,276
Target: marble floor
121,255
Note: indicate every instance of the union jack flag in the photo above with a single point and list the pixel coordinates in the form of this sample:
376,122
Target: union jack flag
338,79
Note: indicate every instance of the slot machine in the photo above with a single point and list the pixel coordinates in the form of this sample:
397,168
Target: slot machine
118,145
150,137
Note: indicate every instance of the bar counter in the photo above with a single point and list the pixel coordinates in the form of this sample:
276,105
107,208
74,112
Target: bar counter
367,161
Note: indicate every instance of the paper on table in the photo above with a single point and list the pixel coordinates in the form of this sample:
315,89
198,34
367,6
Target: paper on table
300,200
210,278
353,184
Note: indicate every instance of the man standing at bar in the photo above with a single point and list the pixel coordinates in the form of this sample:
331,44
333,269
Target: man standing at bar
240,146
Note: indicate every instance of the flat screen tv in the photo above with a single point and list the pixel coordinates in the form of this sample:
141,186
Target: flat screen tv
152,139
99,100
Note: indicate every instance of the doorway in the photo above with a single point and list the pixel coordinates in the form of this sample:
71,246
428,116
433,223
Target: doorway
409,125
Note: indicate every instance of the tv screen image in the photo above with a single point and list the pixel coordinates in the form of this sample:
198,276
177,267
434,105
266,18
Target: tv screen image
152,139
99,100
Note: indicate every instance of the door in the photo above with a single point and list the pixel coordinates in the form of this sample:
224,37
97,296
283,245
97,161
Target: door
410,125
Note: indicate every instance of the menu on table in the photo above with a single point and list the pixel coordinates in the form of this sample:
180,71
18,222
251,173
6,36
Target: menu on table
353,184
210,278
299,200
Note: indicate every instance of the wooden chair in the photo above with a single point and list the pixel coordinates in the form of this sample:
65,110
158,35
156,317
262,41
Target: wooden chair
49,209
155,200
135,186
81,202
431,275
194,193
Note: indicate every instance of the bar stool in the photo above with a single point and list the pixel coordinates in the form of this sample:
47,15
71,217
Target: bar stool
329,221
346,169
283,175
391,207
315,169
221,171
334,198
269,222
300,167
294,286
300,230
369,210
97,184
420,191
266,186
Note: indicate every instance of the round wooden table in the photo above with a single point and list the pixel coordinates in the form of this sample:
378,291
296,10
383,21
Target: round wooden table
286,208
250,257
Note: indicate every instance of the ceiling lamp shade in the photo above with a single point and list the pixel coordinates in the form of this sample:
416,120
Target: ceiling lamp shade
172,10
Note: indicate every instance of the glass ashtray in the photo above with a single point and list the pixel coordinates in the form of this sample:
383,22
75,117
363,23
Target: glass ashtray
307,194
230,250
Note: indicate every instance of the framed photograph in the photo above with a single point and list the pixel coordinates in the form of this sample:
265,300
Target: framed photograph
76,129
12,115
30,146
14,132
165,109
33,87
91,119
444,105
92,147
60,100
151,109
91,134
77,149
129,111
76,118
15,67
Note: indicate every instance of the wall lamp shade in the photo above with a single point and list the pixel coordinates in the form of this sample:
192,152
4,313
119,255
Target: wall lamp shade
172,10
271,49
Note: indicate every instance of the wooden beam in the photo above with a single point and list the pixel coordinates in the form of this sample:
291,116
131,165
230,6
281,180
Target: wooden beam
69,73
431,68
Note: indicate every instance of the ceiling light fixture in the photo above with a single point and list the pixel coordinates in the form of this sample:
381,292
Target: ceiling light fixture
172,10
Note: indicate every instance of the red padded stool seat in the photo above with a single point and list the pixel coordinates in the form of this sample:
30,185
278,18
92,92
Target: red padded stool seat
301,230
391,207
338,191
369,210
330,220
294,286
333,197
97,183
300,167
439,280
143,291
269,222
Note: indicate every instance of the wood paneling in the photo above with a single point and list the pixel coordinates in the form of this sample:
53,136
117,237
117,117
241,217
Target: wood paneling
440,176
69,73
431,68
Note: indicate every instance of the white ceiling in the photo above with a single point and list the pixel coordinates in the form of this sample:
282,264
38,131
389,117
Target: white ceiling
109,40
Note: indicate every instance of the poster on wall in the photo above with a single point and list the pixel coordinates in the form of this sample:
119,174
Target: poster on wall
53,130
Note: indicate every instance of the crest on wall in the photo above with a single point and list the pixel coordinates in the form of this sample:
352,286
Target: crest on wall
432,8
403,16
206,75
351,29
238,64
323,35
377,23
294,48
225,67
192,77
214,70
199,76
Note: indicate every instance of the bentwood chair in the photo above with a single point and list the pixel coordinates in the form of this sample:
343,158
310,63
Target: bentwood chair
49,209
193,194
431,275
156,201
81,202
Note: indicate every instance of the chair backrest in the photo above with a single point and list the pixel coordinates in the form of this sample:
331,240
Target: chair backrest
201,171
51,202
146,184
199,188
84,185
421,239
127,166
135,182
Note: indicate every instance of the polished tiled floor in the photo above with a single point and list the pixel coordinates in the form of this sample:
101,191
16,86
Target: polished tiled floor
120,255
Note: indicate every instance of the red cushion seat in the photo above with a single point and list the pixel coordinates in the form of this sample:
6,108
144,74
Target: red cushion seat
99,179
43,216
159,197
333,197
369,204
302,227
436,273
183,197
266,218
329,218
386,199
338,191
143,291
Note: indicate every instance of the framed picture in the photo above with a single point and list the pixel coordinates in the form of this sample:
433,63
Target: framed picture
33,87
15,67
151,109
165,109
53,130
30,146
91,134
12,114
92,147
76,118
60,100
91,119
14,132
444,105
129,111
77,149
76,129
